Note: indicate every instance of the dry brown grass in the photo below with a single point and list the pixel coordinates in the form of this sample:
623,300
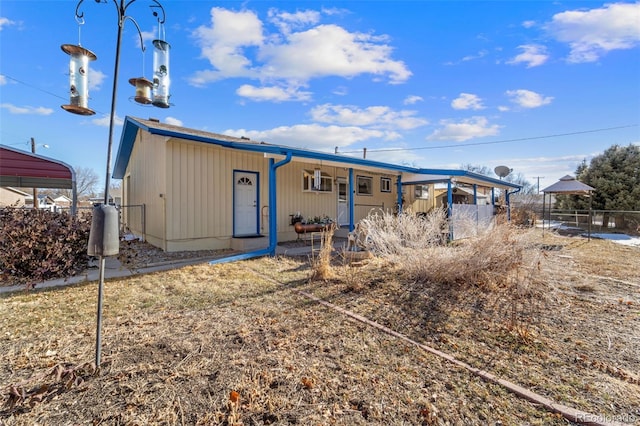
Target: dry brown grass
321,264
236,344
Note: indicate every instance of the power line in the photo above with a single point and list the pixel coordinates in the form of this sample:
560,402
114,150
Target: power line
41,89
497,142
34,87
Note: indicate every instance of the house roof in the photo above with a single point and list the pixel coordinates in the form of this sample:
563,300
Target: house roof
24,169
569,185
410,175
18,191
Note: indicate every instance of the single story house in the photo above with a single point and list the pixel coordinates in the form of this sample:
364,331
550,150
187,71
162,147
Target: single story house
62,201
45,202
186,189
13,197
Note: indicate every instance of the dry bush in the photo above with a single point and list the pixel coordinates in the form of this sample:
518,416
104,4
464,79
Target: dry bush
492,259
36,245
390,235
321,265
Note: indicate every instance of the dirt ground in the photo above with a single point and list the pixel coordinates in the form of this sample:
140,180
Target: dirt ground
239,344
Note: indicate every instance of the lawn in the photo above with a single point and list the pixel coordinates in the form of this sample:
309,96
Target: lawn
242,343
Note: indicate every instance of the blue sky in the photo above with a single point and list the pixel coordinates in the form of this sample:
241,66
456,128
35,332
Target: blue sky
538,86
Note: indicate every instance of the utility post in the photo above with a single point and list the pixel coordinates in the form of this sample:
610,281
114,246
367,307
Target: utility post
35,190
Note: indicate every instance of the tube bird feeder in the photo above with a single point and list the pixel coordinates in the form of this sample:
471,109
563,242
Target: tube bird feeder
78,78
161,79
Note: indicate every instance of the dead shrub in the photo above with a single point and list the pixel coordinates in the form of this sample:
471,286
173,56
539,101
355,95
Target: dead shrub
493,259
390,235
321,265
36,245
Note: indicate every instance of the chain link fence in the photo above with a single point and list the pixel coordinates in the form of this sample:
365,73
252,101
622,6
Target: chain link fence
597,221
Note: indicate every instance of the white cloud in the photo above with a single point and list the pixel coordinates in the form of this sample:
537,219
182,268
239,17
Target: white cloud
273,93
528,99
377,117
529,24
412,99
312,136
3,80
467,101
26,110
330,50
341,91
481,54
533,55
173,121
104,121
5,22
236,44
287,22
592,33
474,127
223,44
96,78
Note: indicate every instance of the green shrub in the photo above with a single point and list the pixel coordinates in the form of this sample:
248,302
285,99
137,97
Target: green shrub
36,245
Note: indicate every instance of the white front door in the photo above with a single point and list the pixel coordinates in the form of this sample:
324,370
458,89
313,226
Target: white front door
245,203
343,202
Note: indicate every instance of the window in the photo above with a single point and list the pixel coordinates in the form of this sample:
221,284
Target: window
385,184
365,185
422,192
326,181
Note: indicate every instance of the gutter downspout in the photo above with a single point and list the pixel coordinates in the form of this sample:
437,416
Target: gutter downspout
273,219
506,198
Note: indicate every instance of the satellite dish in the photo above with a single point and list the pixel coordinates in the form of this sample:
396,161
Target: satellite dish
502,171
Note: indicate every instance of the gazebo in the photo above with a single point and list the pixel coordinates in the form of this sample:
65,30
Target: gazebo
567,185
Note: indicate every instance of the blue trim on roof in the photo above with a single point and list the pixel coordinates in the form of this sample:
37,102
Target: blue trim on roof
131,126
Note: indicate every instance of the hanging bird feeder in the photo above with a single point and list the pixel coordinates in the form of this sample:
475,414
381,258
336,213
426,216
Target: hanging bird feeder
143,90
161,80
78,79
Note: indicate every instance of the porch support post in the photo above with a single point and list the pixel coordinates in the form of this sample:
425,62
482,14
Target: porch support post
450,208
493,196
399,189
475,193
351,202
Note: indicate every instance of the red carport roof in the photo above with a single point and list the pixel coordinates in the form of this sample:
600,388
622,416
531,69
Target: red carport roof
23,169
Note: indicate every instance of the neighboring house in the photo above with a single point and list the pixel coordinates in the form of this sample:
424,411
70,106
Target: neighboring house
202,190
13,197
62,201
45,202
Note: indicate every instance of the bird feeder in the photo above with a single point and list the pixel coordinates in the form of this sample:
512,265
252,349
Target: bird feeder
78,79
143,90
161,79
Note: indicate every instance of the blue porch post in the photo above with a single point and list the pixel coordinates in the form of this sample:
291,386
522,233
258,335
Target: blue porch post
351,202
399,189
493,196
450,209
475,203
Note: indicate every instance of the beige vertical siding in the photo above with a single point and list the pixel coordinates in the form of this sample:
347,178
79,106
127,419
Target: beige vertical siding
11,198
144,183
188,191
200,195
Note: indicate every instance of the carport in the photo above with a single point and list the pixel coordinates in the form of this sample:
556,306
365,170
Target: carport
26,170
